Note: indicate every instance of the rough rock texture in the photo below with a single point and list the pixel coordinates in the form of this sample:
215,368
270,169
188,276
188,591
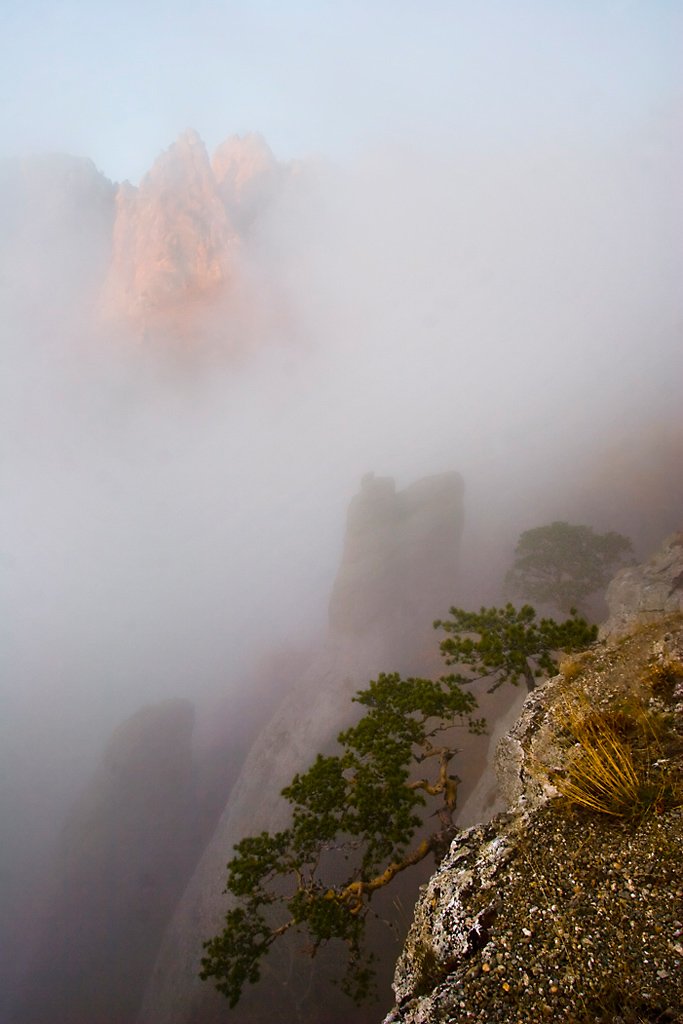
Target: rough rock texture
125,850
551,912
169,259
173,241
177,268
307,721
644,593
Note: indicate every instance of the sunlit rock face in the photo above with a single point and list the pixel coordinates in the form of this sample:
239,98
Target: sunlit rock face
163,261
178,267
125,850
173,242
410,539
247,177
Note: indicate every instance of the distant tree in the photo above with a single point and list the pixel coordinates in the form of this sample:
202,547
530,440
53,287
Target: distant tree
563,565
508,644
358,812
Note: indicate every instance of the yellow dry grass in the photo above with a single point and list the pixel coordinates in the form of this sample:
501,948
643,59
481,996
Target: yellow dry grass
614,759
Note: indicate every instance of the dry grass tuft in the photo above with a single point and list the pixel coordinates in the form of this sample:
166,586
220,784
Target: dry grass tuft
666,678
571,667
615,761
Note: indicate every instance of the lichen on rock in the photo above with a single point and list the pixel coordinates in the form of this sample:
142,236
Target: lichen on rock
555,910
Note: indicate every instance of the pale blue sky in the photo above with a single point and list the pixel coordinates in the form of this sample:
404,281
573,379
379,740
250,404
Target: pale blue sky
118,81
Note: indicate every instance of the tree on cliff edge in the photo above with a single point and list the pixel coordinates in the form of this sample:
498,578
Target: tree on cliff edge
508,644
357,813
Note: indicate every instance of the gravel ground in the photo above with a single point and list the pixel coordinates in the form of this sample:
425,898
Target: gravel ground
578,916
582,932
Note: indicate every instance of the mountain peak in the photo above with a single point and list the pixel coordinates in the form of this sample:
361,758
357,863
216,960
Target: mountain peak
173,240
177,235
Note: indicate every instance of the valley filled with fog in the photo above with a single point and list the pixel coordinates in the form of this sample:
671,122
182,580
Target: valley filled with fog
175,482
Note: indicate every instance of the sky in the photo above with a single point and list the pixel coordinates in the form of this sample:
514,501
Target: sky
507,210
117,82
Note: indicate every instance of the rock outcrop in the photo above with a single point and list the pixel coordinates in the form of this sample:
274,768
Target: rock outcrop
173,242
644,593
247,176
178,238
167,260
390,533
555,911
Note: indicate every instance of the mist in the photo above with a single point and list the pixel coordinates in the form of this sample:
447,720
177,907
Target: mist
503,302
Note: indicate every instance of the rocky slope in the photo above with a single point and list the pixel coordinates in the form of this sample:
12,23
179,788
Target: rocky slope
173,241
645,593
554,910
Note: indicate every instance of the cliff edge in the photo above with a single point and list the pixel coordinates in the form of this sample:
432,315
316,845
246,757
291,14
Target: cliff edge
569,905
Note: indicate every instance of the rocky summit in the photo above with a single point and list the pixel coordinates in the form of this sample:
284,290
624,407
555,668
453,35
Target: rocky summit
177,237
164,260
172,236
568,906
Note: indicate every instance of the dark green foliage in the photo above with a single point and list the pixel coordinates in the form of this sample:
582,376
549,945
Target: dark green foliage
563,565
357,813
508,644
361,807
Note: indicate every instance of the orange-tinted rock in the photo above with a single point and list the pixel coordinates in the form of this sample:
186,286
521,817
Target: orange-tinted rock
174,245
247,176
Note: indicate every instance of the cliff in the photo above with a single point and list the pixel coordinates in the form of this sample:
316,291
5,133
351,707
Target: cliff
166,260
569,905
56,222
177,268
124,851
390,533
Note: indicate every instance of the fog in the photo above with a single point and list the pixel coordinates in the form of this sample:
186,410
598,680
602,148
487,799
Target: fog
504,304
